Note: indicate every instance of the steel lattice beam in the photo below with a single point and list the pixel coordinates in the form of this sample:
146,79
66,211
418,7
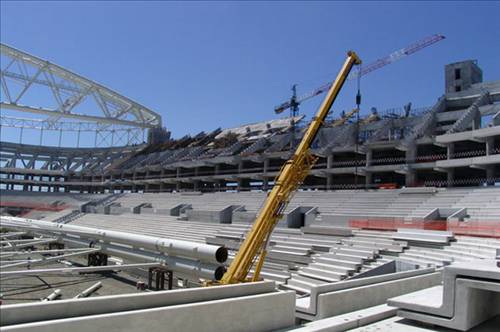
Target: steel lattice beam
69,91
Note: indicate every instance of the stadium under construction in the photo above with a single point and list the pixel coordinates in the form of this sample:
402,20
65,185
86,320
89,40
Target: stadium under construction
388,221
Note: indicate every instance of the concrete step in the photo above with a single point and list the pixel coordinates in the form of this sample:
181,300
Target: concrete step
425,259
420,262
427,256
321,274
297,289
351,258
333,268
353,251
337,262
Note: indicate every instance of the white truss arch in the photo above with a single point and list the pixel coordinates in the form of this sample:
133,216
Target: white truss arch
50,92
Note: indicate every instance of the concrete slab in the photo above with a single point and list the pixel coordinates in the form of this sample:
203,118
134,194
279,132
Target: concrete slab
349,321
470,295
262,312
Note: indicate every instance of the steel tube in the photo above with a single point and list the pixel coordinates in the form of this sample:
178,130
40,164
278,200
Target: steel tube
86,269
186,266
29,244
54,295
35,252
204,252
89,290
49,259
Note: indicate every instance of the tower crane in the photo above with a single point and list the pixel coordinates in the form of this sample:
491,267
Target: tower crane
295,101
253,250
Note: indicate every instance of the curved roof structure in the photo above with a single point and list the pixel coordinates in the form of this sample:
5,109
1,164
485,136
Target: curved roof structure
33,85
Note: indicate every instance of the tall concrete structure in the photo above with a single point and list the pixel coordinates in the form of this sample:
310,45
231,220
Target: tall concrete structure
461,75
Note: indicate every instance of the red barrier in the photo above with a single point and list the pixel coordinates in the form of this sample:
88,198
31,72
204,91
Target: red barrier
393,224
475,228
470,228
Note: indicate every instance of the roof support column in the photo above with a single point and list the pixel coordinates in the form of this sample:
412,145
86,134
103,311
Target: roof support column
329,177
450,176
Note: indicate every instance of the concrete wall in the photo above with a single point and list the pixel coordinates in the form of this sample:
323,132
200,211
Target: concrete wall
340,302
263,312
244,307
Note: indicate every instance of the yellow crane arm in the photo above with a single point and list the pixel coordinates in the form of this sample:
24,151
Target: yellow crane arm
292,174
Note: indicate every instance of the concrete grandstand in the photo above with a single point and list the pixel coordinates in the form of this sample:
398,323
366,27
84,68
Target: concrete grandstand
399,218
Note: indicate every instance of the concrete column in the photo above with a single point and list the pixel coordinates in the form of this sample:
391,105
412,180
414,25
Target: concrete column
368,179
369,157
329,161
329,177
450,151
217,169
450,176
490,145
411,154
177,186
265,179
265,184
25,186
196,185
476,122
240,166
410,178
490,175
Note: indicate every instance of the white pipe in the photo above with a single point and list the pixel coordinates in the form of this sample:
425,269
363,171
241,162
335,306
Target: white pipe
196,269
204,252
86,269
49,259
34,252
54,295
89,290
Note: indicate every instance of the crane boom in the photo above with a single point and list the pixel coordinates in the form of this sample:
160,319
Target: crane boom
382,62
292,174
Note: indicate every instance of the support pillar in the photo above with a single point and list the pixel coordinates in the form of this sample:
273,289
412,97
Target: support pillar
369,157
450,177
490,175
265,179
329,177
450,151
490,145
368,179
410,178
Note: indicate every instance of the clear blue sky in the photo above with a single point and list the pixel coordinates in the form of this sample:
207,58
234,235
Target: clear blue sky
202,65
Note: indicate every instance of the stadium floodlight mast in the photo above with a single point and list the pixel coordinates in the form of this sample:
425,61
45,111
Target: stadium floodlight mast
82,102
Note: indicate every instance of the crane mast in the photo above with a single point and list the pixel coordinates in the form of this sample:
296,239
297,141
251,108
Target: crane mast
292,174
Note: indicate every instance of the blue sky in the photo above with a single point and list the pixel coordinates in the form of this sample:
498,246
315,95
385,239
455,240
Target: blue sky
202,65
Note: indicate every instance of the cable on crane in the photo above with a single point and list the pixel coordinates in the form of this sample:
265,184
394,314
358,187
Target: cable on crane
358,103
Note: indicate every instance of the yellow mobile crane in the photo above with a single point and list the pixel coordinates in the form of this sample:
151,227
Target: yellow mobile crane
292,174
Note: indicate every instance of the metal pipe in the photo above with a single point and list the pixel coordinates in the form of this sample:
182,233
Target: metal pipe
204,252
186,266
35,252
49,259
54,295
89,290
29,244
11,234
86,269
21,241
